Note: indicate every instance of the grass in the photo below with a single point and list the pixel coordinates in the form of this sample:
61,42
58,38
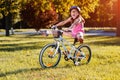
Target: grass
19,59
1,30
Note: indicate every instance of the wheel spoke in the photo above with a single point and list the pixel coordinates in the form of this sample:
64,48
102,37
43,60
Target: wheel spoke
87,56
50,52
46,56
84,54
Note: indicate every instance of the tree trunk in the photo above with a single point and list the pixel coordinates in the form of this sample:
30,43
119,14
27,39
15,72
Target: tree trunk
118,18
8,23
7,31
7,26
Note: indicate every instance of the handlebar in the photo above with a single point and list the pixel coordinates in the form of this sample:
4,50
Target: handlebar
56,28
57,33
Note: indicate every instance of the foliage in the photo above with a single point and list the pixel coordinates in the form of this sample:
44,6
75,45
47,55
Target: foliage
62,7
39,14
118,18
87,6
104,15
9,13
9,7
19,59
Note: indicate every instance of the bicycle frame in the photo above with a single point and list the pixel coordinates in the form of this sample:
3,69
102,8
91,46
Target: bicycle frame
62,41
77,55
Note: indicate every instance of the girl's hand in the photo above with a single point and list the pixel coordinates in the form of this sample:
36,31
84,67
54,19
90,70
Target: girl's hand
53,27
69,29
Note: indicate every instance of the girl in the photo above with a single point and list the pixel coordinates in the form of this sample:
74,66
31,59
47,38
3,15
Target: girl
77,26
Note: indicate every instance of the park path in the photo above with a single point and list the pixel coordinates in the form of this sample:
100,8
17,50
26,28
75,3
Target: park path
93,33
101,34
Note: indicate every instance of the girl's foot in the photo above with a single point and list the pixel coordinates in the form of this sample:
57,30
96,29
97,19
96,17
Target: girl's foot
77,63
80,40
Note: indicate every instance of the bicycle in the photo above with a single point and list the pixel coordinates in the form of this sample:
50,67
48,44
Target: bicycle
50,54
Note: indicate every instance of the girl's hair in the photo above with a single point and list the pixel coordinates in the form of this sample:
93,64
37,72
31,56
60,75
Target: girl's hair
75,7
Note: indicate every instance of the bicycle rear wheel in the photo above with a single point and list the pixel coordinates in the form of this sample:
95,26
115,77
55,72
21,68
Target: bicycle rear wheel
83,55
48,58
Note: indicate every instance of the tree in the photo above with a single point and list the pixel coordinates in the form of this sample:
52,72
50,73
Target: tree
39,14
62,8
8,10
104,14
118,18
87,6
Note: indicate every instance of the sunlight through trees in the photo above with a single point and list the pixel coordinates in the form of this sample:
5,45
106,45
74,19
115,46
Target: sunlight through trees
42,13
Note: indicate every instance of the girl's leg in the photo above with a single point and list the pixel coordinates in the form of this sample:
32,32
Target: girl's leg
75,40
80,37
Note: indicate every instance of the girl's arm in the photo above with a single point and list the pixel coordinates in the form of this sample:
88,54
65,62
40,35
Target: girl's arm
74,23
82,20
78,20
63,22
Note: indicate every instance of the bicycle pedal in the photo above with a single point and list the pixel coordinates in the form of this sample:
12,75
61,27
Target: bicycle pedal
66,58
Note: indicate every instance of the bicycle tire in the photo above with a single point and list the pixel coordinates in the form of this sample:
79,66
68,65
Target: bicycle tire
46,63
88,55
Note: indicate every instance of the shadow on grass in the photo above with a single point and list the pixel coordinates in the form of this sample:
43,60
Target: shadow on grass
104,40
18,44
19,71
27,36
27,70
21,46
25,45
13,40
107,43
34,69
37,36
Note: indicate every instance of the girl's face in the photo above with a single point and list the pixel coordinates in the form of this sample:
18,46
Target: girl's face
74,13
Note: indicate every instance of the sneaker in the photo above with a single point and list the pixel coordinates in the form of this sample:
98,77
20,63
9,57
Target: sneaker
77,63
81,41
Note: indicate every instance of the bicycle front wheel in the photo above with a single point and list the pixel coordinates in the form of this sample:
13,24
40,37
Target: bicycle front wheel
49,56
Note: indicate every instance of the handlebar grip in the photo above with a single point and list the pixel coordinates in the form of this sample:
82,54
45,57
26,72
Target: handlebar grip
53,27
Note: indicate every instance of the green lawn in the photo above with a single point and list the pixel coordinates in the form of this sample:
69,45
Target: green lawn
19,59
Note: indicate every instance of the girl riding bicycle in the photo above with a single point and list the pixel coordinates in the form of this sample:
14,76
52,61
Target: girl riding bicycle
77,24
50,54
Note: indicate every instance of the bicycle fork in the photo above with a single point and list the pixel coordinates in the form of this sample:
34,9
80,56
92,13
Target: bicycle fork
56,49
